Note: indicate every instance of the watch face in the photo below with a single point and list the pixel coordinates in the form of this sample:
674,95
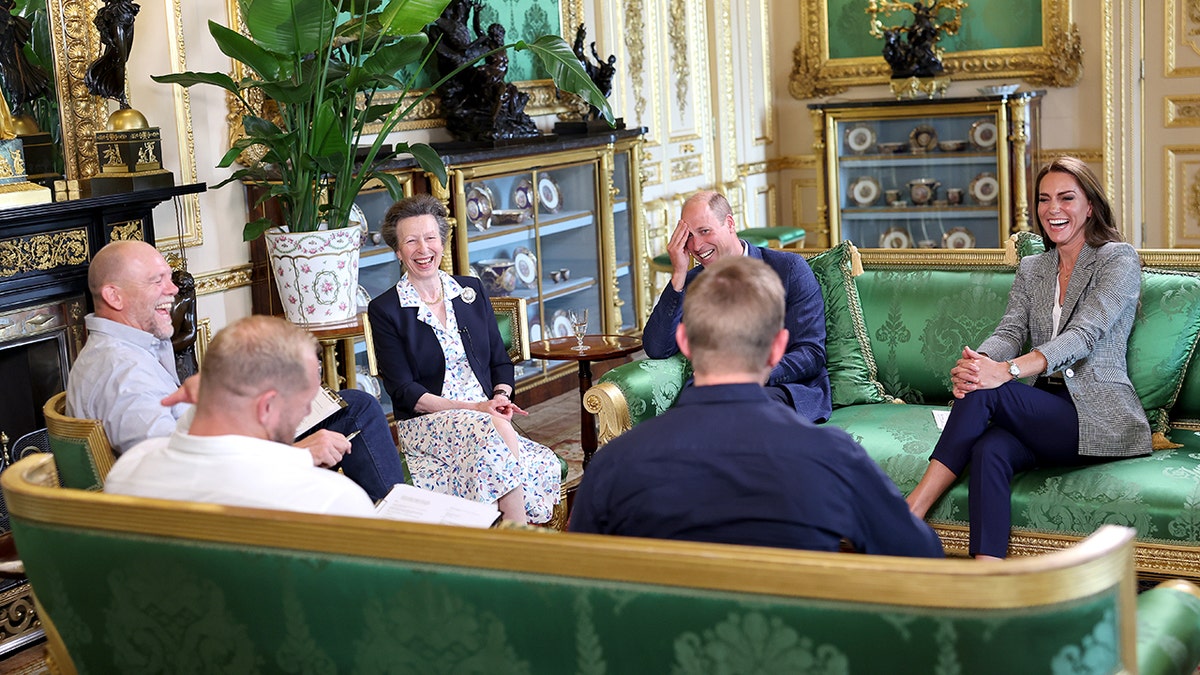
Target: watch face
1013,369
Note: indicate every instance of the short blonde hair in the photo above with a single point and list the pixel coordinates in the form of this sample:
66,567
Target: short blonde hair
256,354
731,314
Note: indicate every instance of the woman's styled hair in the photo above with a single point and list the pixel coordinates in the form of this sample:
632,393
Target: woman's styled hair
411,207
1100,227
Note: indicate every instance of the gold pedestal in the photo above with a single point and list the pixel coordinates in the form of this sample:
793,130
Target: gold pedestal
15,190
916,87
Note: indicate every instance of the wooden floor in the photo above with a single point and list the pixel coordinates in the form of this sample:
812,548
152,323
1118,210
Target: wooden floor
554,423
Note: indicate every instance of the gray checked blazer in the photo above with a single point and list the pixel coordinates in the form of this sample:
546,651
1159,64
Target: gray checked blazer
1097,315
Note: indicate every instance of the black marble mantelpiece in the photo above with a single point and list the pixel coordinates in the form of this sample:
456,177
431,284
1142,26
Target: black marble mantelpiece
45,248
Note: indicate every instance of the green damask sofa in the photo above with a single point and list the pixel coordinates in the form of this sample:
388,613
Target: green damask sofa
135,585
895,330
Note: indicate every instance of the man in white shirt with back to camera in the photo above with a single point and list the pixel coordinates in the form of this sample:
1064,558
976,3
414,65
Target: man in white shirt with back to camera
259,378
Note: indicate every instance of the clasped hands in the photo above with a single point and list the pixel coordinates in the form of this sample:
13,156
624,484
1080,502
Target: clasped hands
326,447
976,371
500,406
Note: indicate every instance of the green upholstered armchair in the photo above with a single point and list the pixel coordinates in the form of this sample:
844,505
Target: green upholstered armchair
128,584
513,320
80,446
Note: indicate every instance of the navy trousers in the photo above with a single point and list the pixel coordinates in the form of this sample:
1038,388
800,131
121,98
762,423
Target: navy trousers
373,461
999,432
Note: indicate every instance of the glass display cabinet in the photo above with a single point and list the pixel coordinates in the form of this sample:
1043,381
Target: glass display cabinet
950,173
558,227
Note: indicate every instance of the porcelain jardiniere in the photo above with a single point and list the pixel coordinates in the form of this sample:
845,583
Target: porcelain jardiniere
316,274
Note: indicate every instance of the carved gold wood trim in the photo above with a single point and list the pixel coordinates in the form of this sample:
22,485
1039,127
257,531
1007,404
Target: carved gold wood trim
729,121
754,168
635,48
794,162
1181,111
188,206
765,73
677,31
125,230
1176,25
1100,564
1091,156
203,338
76,45
570,16
41,252
1058,62
18,619
219,281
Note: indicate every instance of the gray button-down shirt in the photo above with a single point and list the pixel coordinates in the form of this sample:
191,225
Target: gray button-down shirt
120,377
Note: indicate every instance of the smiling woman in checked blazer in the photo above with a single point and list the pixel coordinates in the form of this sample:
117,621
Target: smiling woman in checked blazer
1075,304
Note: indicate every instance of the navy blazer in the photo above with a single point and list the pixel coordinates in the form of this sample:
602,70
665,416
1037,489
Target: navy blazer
410,359
802,370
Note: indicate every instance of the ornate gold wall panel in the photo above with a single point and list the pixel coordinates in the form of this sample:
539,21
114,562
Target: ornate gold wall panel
1182,31
1182,205
218,281
187,207
1058,62
1182,111
76,44
800,187
763,76
40,252
677,30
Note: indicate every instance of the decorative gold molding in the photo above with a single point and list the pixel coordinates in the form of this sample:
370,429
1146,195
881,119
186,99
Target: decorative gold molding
1182,194
76,45
223,280
1089,155
203,338
1175,25
1058,62
41,252
765,75
187,207
754,168
635,48
677,21
686,167
1181,111
126,230
791,162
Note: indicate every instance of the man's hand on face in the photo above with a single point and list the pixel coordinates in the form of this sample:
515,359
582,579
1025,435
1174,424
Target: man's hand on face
681,259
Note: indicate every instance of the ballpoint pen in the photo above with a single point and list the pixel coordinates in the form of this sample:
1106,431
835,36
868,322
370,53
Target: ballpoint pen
353,434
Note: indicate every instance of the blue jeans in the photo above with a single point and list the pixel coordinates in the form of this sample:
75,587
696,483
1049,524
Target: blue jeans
373,461
999,432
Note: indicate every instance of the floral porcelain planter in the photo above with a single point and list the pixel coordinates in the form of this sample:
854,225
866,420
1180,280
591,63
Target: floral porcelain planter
316,273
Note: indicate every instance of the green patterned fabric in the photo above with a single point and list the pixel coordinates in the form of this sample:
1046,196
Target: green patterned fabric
76,469
1029,243
1162,614
781,233
1163,340
1158,495
128,604
650,386
1187,406
920,319
504,322
848,357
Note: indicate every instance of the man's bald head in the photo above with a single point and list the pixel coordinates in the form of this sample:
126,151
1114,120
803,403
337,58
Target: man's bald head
131,284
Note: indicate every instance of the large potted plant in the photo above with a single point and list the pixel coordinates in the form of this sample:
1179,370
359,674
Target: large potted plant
321,63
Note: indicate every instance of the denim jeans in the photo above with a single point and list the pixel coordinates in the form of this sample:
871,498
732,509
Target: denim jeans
373,461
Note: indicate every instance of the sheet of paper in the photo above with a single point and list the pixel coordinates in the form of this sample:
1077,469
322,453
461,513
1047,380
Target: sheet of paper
940,417
415,505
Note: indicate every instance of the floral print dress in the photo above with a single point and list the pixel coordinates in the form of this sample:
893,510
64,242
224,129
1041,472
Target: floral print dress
460,452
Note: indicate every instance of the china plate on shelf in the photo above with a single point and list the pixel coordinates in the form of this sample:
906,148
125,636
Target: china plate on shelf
896,237
526,265
860,139
548,193
522,195
984,189
560,324
479,206
923,139
958,237
357,217
865,190
983,134
535,331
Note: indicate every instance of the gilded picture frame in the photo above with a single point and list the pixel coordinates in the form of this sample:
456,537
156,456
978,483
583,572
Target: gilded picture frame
1057,61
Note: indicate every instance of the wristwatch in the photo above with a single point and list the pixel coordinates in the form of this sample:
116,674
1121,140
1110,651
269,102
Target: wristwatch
1013,369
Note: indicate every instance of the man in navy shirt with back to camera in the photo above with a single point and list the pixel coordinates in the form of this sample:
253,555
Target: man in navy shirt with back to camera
725,464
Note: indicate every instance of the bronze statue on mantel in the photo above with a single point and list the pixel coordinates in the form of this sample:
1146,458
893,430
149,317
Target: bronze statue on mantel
911,50
478,103
585,118
106,76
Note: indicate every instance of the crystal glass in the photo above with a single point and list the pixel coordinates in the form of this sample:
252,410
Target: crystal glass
579,322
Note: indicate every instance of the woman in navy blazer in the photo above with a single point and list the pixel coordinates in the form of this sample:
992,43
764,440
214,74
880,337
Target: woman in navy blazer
444,365
1075,305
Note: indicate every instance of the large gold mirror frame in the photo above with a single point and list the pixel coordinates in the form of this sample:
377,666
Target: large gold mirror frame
543,95
76,44
1058,62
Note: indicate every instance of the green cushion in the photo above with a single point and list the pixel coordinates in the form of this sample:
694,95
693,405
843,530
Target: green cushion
76,469
851,364
920,319
1165,615
1187,405
784,235
1163,340
650,386
1158,495
504,322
